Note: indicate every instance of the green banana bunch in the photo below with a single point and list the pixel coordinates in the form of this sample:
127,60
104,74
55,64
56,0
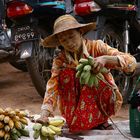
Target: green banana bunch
48,130
85,73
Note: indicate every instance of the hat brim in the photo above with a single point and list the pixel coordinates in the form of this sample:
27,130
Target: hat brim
52,41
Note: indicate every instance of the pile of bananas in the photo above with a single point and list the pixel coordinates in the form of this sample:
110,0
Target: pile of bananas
85,72
49,130
12,124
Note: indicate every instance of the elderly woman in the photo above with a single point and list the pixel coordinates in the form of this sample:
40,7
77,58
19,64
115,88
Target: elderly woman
82,106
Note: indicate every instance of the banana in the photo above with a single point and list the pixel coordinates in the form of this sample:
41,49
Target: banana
6,119
11,123
43,137
1,125
15,118
50,131
100,76
37,126
24,132
56,129
79,67
23,120
78,73
44,131
7,136
14,136
2,117
57,122
2,133
12,113
87,68
91,80
96,82
87,78
91,60
36,134
51,137
22,114
6,128
18,125
18,134
84,61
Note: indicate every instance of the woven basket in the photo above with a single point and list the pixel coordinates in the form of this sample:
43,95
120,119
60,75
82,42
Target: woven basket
134,123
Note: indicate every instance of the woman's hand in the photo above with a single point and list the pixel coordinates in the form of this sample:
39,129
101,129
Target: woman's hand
99,63
44,116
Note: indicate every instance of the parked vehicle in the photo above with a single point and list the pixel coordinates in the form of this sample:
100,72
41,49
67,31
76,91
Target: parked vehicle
117,25
30,21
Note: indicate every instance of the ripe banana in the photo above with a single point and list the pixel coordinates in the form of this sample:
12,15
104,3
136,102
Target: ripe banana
23,120
18,125
6,128
2,117
2,133
44,131
56,129
57,122
1,125
1,111
6,119
11,123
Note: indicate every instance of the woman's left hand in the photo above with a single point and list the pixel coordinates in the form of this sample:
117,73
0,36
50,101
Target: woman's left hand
99,63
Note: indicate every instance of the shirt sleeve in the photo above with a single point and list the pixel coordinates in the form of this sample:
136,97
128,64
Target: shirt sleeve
51,94
127,62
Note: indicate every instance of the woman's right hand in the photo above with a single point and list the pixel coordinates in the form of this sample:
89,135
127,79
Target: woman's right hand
44,116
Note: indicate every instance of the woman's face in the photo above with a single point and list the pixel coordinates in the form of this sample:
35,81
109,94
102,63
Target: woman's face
71,40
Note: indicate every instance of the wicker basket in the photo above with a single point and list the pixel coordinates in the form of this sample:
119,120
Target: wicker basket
134,123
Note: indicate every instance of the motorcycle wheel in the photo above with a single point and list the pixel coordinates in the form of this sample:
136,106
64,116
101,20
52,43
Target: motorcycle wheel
113,37
20,65
39,66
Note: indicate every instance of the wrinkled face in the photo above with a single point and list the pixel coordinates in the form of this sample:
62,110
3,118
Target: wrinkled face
71,40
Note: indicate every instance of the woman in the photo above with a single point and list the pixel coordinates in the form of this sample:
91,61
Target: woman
83,107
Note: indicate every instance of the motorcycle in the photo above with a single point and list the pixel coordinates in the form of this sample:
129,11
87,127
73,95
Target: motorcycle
117,25
29,22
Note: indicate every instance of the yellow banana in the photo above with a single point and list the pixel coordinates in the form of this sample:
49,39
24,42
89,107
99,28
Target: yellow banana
11,123
12,113
6,119
1,125
2,133
56,129
24,121
50,131
18,125
6,128
2,117
44,131
22,114
56,122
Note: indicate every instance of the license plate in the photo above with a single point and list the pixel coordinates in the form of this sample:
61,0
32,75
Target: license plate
23,33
